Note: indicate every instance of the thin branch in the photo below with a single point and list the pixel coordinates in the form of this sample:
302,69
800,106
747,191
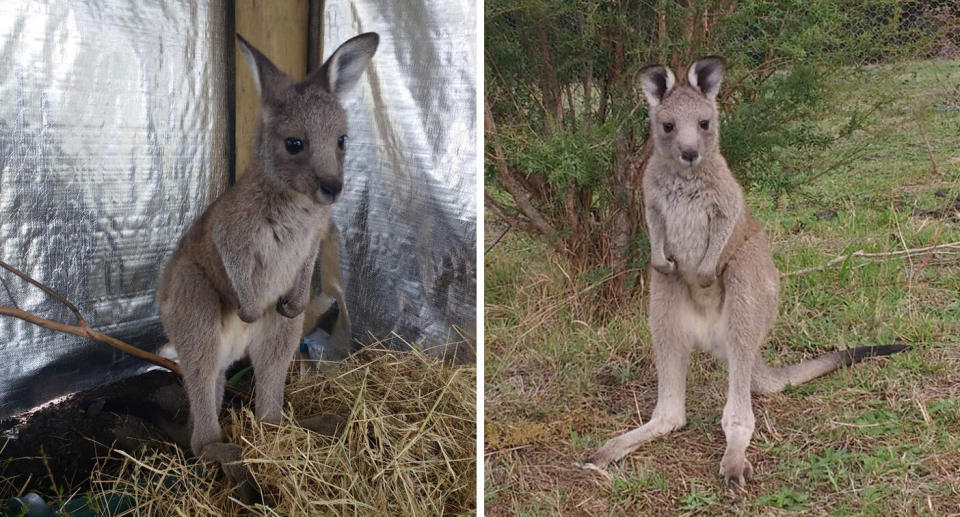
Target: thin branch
887,254
510,91
510,183
51,292
88,332
81,329
501,212
9,294
497,240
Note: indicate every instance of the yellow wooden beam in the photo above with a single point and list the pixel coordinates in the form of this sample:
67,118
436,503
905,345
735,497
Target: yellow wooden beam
278,28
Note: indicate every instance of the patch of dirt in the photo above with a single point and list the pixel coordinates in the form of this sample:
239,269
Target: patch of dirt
949,211
58,444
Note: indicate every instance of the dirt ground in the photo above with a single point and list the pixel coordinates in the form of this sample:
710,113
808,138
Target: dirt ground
56,447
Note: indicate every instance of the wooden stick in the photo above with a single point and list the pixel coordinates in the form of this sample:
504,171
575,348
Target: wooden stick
9,294
47,290
497,241
887,254
88,332
81,329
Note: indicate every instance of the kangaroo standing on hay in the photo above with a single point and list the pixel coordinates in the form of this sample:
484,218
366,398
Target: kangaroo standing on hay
714,285
240,279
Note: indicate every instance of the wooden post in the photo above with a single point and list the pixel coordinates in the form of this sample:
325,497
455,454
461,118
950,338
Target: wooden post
278,28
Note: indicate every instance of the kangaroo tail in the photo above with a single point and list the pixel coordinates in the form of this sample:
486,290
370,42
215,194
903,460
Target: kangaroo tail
767,379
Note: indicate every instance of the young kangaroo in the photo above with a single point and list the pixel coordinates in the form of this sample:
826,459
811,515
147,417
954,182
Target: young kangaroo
713,285
239,281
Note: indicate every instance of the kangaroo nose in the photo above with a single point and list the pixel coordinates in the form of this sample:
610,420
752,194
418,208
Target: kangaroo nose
331,187
689,156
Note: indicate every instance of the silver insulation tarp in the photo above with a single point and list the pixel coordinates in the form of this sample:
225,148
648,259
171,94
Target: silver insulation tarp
408,214
114,135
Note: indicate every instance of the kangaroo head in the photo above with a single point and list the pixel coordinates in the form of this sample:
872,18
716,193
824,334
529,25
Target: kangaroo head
683,120
302,128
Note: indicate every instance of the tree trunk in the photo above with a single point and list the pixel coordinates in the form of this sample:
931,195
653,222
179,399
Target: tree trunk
520,196
588,95
626,220
550,84
604,94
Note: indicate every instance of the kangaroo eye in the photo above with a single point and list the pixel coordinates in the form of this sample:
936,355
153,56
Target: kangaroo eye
667,127
342,142
704,124
294,145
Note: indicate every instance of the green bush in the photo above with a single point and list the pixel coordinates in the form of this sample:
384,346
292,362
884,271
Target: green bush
570,124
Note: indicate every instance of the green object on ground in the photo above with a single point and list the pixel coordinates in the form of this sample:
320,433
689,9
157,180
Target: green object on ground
29,505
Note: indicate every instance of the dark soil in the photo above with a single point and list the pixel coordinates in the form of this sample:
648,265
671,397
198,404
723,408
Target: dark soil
56,447
949,211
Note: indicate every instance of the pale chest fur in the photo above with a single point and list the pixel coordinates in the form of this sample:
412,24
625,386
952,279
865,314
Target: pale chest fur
284,242
686,205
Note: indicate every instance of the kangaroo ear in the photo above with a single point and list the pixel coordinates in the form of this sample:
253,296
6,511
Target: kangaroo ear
655,81
266,76
343,69
706,75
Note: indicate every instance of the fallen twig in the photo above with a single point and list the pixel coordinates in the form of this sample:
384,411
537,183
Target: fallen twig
886,254
81,329
497,241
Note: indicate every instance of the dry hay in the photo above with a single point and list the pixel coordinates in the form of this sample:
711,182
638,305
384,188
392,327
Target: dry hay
409,449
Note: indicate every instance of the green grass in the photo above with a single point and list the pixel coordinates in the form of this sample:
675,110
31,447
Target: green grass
882,438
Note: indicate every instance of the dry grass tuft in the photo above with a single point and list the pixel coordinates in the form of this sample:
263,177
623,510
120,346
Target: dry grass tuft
409,449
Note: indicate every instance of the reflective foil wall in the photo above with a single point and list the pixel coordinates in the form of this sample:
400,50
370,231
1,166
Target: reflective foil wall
114,135
408,216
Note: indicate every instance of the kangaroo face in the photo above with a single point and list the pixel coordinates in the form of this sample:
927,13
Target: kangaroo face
303,139
684,126
302,129
684,119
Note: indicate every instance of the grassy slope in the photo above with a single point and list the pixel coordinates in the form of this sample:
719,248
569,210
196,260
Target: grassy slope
879,439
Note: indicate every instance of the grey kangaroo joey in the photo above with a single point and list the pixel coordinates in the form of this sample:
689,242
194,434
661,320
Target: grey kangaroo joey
713,284
240,278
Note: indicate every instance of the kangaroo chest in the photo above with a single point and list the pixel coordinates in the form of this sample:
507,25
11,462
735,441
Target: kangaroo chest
283,245
685,205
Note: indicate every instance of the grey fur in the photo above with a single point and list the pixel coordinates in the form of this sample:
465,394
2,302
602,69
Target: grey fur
240,279
713,283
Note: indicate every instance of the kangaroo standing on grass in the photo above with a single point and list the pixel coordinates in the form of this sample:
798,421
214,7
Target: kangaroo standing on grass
714,285
240,279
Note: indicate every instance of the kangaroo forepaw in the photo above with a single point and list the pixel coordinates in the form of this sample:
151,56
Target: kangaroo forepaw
248,313
289,308
706,278
665,267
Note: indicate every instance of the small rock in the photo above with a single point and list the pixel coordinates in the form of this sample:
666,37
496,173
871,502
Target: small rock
825,215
